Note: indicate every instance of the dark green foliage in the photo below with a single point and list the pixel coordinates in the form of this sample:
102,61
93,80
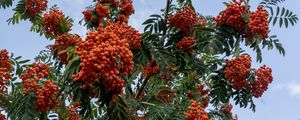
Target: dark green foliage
5,3
279,14
201,63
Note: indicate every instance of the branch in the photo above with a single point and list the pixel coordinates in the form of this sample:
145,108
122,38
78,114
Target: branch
142,87
166,15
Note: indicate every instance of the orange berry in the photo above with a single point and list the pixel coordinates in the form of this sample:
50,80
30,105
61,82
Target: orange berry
264,78
151,68
34,7
237,71
186,43
5,68
111,58
195,112
63,42
184,20
51,20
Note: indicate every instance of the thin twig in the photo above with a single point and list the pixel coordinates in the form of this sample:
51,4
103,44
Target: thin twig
166,16
142,87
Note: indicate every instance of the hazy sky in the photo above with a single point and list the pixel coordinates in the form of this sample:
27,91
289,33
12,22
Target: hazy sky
280,102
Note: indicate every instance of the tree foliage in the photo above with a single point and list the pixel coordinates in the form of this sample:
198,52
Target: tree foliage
182,66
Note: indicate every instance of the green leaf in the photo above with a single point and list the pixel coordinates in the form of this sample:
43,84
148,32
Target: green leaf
5,3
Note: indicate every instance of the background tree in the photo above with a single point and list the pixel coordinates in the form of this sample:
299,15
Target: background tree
183,66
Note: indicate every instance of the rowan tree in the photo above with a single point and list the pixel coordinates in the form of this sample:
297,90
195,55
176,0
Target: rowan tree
182,66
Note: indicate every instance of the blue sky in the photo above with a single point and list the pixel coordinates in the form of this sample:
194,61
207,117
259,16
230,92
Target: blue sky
280,102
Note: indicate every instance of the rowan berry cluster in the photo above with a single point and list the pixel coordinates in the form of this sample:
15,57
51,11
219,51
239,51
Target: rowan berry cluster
5,68
124,31
87,15
264,78
32,76
34,7
124,9
45,95
233,16
151,68
104,55
258,24
195,112
102,11
186,43
52,21
184,20
237,71
63,42
226,109
72,112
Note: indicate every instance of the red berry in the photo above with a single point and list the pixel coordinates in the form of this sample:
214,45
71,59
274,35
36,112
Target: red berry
184,20
195,112
34,7
264,78
5,68
63,42
237,71
51,20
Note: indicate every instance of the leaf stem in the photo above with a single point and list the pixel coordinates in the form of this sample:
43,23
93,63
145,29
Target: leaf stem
142,87
166,16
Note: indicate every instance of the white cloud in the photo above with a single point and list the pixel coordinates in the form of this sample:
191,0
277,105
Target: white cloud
294,89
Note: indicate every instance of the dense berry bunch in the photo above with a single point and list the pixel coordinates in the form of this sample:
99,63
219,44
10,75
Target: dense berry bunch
186,43
237,71
151,68
62,42
122,10
87,14
72,112
103,55
122,19
226,108
124,31
34,7
127,7
102,11
195,112
264,78
32,76
233,16
184,20
258,24
46,96
5,68
52,21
